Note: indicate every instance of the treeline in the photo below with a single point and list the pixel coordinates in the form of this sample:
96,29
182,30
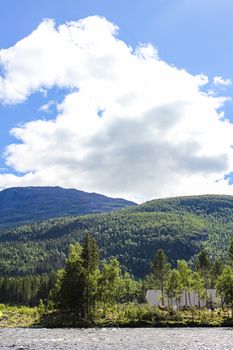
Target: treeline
28,290
88,284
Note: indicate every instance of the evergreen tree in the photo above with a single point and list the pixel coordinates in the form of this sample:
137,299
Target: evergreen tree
203,265
77,285
230,254
90,277
69,289
215,271
160,269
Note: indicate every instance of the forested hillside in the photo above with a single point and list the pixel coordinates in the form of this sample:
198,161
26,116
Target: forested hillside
181,226
20,205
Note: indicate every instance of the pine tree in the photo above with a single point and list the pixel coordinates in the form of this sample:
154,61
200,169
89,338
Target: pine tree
90,277
203,266
77,286
230,254
160,269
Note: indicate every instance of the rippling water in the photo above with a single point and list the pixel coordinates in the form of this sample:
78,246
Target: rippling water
115,338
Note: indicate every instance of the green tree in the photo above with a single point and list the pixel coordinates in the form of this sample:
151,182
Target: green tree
198,286
225,287
131,289
77,285
174,286
160,269
230,254
69,288
186,279
89,277
110,282
203,265
215,271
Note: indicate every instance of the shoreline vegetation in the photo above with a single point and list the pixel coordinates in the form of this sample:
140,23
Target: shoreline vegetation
122,315
93,293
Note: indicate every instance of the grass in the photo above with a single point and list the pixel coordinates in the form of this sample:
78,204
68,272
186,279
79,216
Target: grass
18,316
121,315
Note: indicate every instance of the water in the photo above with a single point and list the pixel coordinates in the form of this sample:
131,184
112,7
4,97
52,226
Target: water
115,338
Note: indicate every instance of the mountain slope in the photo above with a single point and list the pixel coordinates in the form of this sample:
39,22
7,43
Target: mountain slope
220,206
21,205
181,226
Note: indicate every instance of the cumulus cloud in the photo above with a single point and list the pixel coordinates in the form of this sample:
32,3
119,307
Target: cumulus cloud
131,124
218,80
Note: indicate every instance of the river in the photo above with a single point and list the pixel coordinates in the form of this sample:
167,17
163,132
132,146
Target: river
117,339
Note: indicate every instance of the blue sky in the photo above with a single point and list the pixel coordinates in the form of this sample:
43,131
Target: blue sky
190,35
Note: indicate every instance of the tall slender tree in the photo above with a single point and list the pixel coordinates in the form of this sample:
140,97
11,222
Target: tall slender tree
186,279
203,265
90,275
230,254
160,269
174,287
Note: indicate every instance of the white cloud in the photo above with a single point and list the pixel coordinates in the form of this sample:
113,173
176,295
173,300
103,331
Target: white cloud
46,108
218,80
158,135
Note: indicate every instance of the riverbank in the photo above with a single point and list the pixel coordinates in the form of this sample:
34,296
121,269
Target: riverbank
128,315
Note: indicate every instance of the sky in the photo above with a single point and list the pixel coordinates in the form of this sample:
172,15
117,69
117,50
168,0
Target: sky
129,99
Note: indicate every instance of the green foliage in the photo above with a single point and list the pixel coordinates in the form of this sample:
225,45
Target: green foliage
130,237
185,274
97,293
202,264
174,286
77,285
198,285
230,254
181,226
27,290
110,282
81,285
130,289
160,269
216,269
225,286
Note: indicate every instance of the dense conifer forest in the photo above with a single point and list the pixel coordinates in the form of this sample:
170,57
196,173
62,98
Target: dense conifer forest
181,226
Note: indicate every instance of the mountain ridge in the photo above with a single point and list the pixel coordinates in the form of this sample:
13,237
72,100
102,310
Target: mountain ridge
21,205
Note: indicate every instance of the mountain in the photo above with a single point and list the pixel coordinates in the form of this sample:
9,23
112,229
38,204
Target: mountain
206,205
181,226
20,205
